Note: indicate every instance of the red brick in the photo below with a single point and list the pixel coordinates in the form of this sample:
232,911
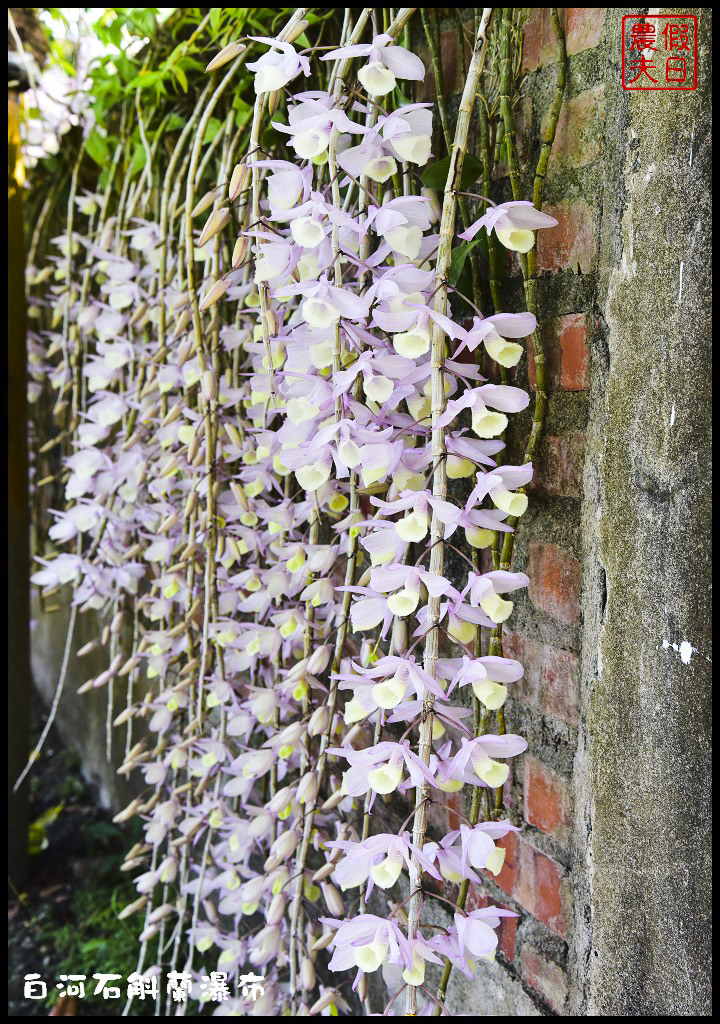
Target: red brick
583,28
544,976
574,360
452,72
542,888
558,466
454,805
552,677
559,687
555,580
546,799
507,936
539,45
508,874
570,245
580,135
565,347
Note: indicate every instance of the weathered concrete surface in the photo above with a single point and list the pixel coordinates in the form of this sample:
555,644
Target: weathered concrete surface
642,775
81,718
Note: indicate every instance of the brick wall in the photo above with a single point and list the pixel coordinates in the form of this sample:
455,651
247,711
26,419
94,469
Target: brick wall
545,630
611,872
531,974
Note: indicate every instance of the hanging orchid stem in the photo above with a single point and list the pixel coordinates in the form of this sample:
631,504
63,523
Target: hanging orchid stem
432,35
447,229
530,274
487,182
199,522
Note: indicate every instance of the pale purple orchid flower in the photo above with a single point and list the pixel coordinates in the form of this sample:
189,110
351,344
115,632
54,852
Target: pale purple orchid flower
487,424
476,930
398,676
481,752
383,544
485,590
477,847
310,124
414,527
403,583
379,769
513,222
444,714
408,132
488,676
369,159
275,69
287,185
324,303
386,64
379,859
367,942
493,332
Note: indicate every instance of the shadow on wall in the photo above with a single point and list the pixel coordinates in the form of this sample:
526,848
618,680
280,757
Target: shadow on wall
82,718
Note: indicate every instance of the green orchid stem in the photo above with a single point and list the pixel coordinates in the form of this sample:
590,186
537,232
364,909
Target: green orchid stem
432,644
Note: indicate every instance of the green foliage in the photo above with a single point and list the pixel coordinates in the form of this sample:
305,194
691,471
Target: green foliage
37,831
435,175
460,254
93,940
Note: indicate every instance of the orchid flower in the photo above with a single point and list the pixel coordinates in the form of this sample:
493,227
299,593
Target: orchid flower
275,69
387,63
514,224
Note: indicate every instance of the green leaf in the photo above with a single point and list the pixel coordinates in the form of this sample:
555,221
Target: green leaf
94,944
145,79
97,148
458,257
214,126
138,161
37,831
175,123
435,176
181,77
142,20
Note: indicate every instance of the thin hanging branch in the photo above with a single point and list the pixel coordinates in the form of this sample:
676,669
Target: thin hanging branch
437,530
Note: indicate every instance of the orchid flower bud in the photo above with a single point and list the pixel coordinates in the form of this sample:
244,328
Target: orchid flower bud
308,788
295,31
228,53
238,180
214,225
276,910
333,899
319,721
214,294
203,204
307,975
319,660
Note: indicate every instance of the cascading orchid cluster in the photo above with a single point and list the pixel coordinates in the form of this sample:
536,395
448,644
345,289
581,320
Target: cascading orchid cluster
254,466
